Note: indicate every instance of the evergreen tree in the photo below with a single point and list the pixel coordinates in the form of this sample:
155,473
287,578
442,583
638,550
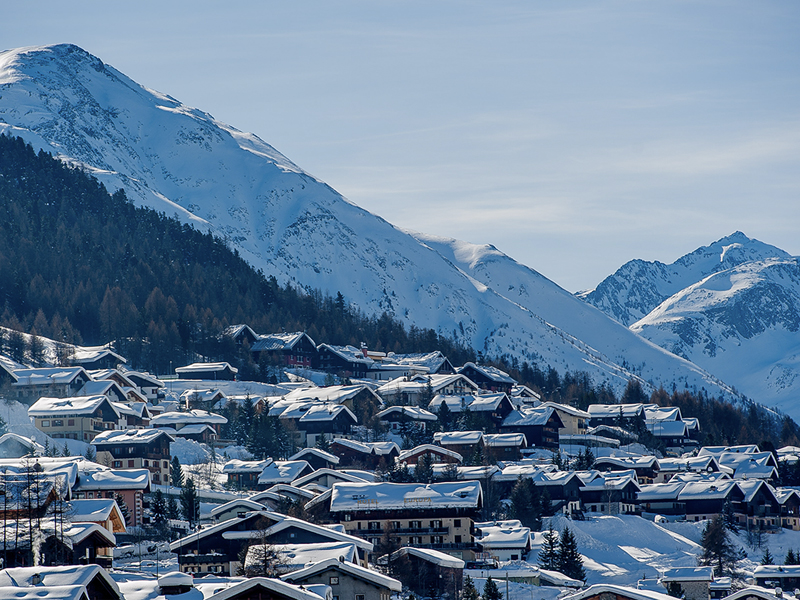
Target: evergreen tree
524,503
423,472
172,508
729,516
323,443
90,454
190,503
469,592
791,558
548,555
767,559
490,591
123,507
570,561
65,450
589,458
158,507
176,473
445,417
718,551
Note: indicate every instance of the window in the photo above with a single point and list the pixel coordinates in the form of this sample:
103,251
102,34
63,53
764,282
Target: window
130,464
373,525
359,596
457,523
58,423
436,539
415,524
156,477
146,462
347,517
415,539
165,464
436,524
292,535
515,557
117,464
333,581
45,423
396,525
70,422
458,539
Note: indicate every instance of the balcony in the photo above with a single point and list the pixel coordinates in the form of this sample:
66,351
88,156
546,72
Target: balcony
406,531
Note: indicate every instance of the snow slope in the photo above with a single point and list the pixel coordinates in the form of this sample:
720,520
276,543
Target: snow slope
743,324
181,161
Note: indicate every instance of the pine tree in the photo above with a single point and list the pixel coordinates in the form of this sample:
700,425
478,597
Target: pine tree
589,458
548,555
172,508
423,473
65,451
490,591
322,442
176,473
90,454
469,591
570,561
767,559
791,558
158,508
445,417
525,505
190,503
123,507
718,551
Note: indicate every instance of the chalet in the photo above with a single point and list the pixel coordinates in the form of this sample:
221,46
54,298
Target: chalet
346,361
605,591
627,416
488,378
347,580
423,570
611,494
504,446
318,459
103,512
540,426
574,420
286,493
503,540
789,500
95,581
323,420
423,388
13,445
465,443
662,499
669,467
674,434
78,418
361,400
241,335
786,577
646,467
495,407
387,367
96,357
291,350
437,454
364,454
244,473
218,549
111,375
203,399
438,515
219,371
750,465
401,418
56,382
323,479
760,507
96,481
235,509
707,499
435,362
136,449
178,420
150,386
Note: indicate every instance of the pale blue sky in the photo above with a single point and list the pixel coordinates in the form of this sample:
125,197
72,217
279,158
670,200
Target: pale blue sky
573,136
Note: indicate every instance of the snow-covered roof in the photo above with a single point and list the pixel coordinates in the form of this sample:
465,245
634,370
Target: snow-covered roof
451,438
8,440
433,556
319,473
751,487
652,412
660,491
617,591
347,353
55,592
77,532
627,462
414,413
529,417
130,436
704,490
175,579
669,429
48,376
88,354
205,367
405,454
141,378
351,569
608,411
113,479
498,440
187,418
377,448
71,575
76,405
688,574
565,408
456,404
504,537
248,587
245,466
306,555
204,395
335,394
284,471
326,412
327,456
418,384
278,341
492,373
617,481
95,511
398,496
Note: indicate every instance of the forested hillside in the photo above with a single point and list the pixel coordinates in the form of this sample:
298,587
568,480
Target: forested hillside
79,265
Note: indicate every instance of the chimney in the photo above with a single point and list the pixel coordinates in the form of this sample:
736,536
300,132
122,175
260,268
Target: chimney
364,349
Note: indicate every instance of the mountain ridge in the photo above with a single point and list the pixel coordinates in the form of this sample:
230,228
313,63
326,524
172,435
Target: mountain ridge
289,224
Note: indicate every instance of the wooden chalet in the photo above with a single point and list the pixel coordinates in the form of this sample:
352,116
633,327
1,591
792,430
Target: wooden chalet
291,350
488,378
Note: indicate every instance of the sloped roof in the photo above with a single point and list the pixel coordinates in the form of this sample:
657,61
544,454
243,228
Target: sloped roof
491,373
351,569
114,479
130,436
608,411
497,440
284,471
414,413
434,556
187,418
347,353
48,376
457,437
327,456
279,341
204,367
245,466
77,405
275,586
530,417
326,412
428,448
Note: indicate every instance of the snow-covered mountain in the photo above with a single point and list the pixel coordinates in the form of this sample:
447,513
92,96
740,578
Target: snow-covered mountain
732,307
181,161
743,324
639,286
